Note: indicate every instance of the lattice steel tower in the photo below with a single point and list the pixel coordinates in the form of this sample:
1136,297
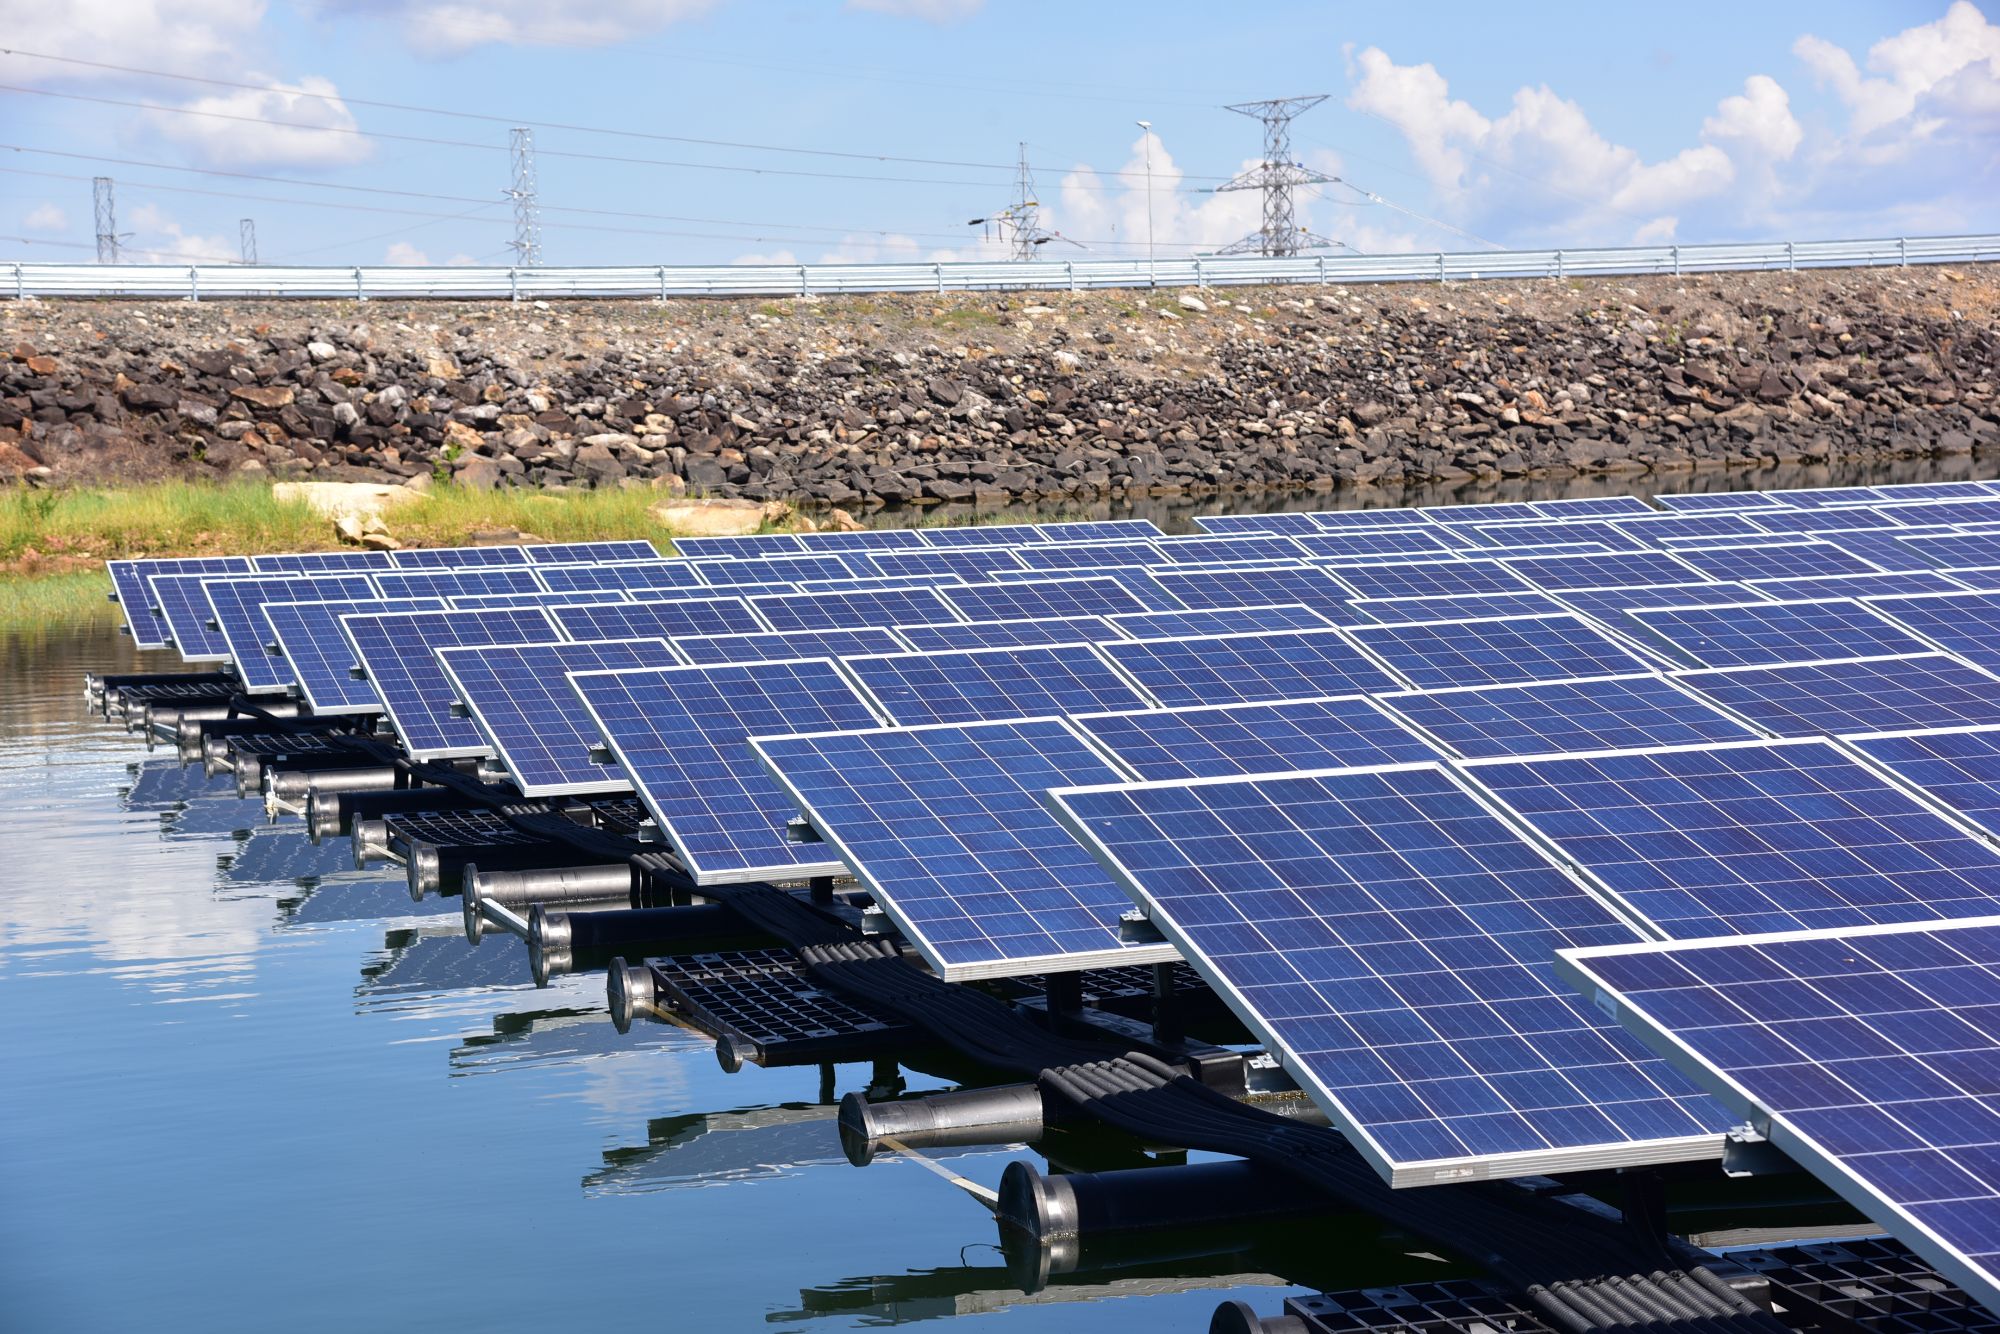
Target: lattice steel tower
527,245
105,206
246,239
1277,175
1020,223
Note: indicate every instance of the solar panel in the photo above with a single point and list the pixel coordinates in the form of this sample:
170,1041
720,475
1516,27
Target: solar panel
1545,549
666,619
1462,607
1745,838
1220,550
398,653
631,574
1814,497
752,546
1949,550
1982,579
319,655
1006,634
1773,560
1618,569
587,553
1967,624
1202,590
781,569
1960,512
1221,669
962,536
1430,578
1959,767
992,684
1901,492
1571,507
1822,520
182,600
1140,584
1041,599
521,702
680,733
1392,942
1655,529
1887,549
1434,654
867,539
1867,1057
946,828
323,562
1605,533
852,611
1717,500
1505,511
1855,694
1217,621
453,583
970,563
1607,605
1819,587
1237,525
787,646
1065,556
236,606
589,597
1379,542
1100,530
456,558
130,579
1766,633
1228,740
873,584
1550,717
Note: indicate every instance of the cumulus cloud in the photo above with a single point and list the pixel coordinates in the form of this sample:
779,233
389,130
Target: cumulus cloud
268,127
45,217
453,27
185,36
155,235
1947,68
1756,122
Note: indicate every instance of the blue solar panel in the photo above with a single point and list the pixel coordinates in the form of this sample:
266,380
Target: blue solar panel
946,828
1822,520
1603,532
131,580
1655,530
456,558
1958,767
453,583
1506,511
1248,549
1576,507
1357,542
1967,624
1981,580
872,584
1229,740
1855,695
585,553
982,535
1240,525
398,653
1042,598
1607,605
318,654
654,573
1379,517
1951,550
786,646
1305,587
1221,669
1820,587
1006,634
1101,530
182,600
992,684
1869,1058
782,569
1550,717
1743,839
1766,633
867,539
1217,621
681,736
324,562
1429,578
1886,548
970,563
1393,941
753,546
1960,512
1461,607
1493,652
1058,557
587,598
1898,493
1717,500
237,608
853,611
520,700
1618,569
1787,560
1815,497
669,619
1544,549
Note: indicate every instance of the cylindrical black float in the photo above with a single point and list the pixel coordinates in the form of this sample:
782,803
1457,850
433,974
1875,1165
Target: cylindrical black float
331,813
1140,1199
1005,1114
560,941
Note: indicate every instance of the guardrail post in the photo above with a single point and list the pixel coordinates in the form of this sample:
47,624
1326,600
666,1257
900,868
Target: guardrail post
663,283
1440,266
1903,251
1559,264
513,284
1322,270
805,281
20,284
938,270
194,283
1791,258
360,287
1677,259
1069,271
1199,279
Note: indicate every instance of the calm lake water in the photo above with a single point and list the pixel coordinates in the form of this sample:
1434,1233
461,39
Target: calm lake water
249,1086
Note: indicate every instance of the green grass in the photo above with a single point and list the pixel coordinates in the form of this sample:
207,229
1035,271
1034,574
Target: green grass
33,603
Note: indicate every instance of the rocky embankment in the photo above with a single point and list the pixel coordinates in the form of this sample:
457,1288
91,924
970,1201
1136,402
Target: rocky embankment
1005,396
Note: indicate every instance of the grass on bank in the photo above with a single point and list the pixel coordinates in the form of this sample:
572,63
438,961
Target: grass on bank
33,603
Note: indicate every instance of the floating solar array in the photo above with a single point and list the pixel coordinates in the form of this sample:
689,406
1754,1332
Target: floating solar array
1298,664
1855,695
454,582
182,603
1520,648
588,553
237,609
398,653
790,645
663,619
1967,624
1227,740
320,658
1959,767
1546,718
1302,587
131,584
1208,621
914,689
1766,633
1041,599
1455,607
1008,634
677,574
852,611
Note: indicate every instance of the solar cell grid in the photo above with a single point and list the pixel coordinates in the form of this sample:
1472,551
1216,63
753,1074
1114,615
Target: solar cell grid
131,580
1231,525
182,600
1042,598
750,547
1654,530
451,583
1767,633
1227,740
853,611
1434,654
456,558
947,829
874,584
702,650
1606,605
1393,941
588,553
1897,493
1823,520
1855,695
680,735
725,574
1216,621
620,574
1946,551
1612,570
588,597
1318,589
521,702
1605,533
1061,556
1774,561
970,563
1868,1057
1743,839
237,608
1815,497
868,539
319,655
1005,634
1959,767
398,653
1717,500
664,619
1506,511
1551,717
1887,549
980,685
323,562
1385,541
1431,578
1857,585
962,536
1963,512
1570,507
1463,607
1101,530
1982,579
1220,669
1380,517
1222,550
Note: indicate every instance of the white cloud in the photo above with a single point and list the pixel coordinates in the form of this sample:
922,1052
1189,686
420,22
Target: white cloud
1944,68
46,217
1756,122
453,27
156,237
185,36
930,11
403,253
769,257
263,127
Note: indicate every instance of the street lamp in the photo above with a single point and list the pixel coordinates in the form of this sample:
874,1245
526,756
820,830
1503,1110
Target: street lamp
1152,277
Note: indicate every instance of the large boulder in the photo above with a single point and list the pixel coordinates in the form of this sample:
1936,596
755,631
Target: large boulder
364,500
718,518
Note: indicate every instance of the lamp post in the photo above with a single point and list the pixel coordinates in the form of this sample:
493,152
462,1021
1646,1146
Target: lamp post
1152,275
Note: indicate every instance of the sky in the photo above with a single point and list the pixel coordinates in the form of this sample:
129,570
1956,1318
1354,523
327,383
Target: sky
823,131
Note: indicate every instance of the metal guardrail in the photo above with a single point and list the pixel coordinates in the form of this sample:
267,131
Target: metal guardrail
200,282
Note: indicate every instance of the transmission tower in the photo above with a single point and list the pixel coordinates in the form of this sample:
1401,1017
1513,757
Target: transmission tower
1020,223
1277,175
105,206
527,244
246,237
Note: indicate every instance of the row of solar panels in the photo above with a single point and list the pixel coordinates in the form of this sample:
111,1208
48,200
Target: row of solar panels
1390,928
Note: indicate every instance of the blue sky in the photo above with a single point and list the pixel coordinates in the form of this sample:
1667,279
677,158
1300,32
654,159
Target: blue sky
1454,126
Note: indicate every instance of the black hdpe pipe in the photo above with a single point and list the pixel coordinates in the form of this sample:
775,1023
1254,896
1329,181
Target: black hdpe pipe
1142,1199
558,939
